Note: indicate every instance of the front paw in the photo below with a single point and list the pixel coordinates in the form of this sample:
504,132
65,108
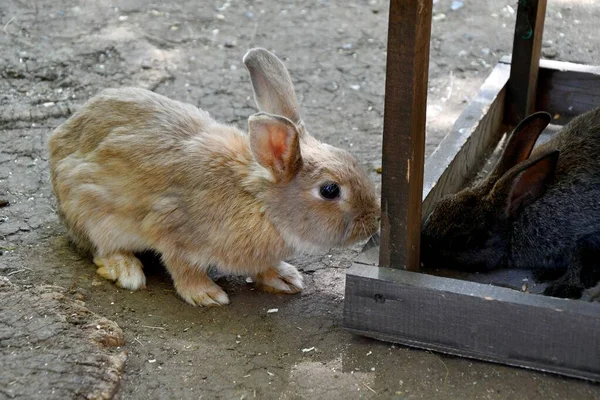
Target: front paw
201,291
283,278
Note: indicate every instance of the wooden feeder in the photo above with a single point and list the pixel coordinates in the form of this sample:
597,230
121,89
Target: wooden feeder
472,315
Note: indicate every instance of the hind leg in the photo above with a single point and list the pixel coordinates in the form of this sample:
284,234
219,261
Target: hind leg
566,287
122,267
583,272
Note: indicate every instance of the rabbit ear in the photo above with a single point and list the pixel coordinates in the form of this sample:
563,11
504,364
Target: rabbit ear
275,145
527,182
521,142
273,89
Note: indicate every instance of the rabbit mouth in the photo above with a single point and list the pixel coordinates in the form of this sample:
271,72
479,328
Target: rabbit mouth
361,229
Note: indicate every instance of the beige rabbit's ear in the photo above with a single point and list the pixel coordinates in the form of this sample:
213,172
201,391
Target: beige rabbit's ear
521,142
273,89
274,141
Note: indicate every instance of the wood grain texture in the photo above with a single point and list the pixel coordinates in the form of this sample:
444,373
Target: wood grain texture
527,47
474,320
474,136
566,90
407,68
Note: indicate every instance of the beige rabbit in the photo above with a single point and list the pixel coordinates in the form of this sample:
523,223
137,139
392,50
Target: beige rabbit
133,171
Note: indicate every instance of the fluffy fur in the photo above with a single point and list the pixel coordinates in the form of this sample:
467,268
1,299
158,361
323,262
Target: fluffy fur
133,170
537,210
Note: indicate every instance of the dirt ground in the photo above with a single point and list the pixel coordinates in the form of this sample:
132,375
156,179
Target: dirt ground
55,54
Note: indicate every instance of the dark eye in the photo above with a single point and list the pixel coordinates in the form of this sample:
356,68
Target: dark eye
330,191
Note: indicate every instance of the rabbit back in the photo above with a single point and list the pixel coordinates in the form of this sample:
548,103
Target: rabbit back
579,146
547,231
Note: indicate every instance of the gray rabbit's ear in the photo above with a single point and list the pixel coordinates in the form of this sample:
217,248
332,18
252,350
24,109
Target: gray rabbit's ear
521,142
273,89
526,182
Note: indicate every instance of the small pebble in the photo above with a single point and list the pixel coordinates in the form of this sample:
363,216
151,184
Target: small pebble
456,5
123,18
146,64
272,310
549,52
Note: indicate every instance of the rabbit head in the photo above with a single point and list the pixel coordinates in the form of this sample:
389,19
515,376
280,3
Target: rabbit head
471,230
318,196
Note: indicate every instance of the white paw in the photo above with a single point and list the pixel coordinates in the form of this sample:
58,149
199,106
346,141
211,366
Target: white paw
204,293
124,269
284,278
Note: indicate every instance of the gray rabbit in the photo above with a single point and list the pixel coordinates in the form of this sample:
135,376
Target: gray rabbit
536,210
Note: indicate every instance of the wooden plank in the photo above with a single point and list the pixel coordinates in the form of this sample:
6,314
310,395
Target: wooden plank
407,67
527,47
474,136
473,320
567,90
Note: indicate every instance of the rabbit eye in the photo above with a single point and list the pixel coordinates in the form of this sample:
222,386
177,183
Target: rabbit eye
330,191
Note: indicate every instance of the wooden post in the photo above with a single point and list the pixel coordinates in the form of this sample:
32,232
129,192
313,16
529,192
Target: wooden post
527,46
407,70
